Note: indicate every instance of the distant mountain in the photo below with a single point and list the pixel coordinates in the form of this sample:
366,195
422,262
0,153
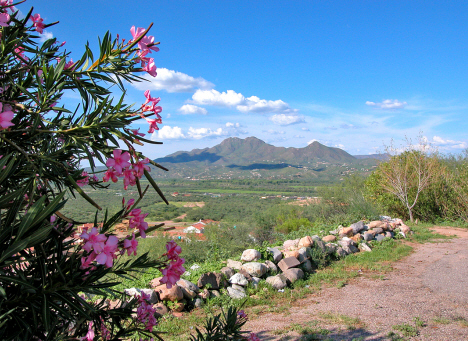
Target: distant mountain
251,150
253,158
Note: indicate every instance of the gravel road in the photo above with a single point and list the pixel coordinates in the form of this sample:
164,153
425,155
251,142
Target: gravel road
431,283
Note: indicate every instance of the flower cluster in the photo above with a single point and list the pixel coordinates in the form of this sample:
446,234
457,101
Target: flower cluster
119,166
173,271
146,45
145,312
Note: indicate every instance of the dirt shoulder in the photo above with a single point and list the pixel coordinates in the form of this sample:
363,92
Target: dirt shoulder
431,283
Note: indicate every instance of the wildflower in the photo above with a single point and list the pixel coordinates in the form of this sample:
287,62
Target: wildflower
37,22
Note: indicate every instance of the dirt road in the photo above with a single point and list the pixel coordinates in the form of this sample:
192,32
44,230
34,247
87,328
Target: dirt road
431,284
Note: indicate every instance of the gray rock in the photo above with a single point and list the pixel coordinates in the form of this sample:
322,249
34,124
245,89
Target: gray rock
239,279
288,244
227,271
271,267
153,296
212,279
377,230
255,269
304,253
234,264
198,302
183,283
389,234
238,287
277,255
364,247
368,236
160,310
245,274
250,255
357,227
379,237
341,252
255,281
293,274
331,248
319,243
188,294
307,266
214,293
350,249
235,294
278,282
287,263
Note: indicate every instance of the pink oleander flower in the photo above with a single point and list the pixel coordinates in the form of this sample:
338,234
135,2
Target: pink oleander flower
110,174
37,22
8,4
69,65
137,221
95,178
84,181
140,168
4,19
90,334
94,240
119,162
105,333
173,250
253,337
129,203
150,99
145,43
145,312
87,261
153,124
150,67
129,178
6,115
172,273
137,133
108,255
131,245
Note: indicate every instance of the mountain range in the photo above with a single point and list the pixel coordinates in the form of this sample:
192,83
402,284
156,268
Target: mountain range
241,158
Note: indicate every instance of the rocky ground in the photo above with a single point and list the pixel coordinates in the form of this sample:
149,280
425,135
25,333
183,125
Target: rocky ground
431,284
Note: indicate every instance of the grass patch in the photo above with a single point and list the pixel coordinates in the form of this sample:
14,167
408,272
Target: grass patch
441,320
423,234
350,322
406,329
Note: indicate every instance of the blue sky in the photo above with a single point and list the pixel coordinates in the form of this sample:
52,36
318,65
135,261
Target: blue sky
349,74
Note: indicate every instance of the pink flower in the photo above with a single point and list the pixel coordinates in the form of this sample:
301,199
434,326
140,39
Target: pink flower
150,99
145,43
87,261
69,65
94,240
84,181
129,178
253,337
153,124
110,174
119,162
137,221
140,167
6,115
173,250
145,312
20,52
131,245
172,273
4,19
108,253
37,22
8,4
129,203
90,334
105,333
150,67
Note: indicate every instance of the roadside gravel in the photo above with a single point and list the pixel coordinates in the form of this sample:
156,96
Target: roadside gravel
431,283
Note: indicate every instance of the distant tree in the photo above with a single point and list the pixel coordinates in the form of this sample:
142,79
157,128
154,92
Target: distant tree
408,172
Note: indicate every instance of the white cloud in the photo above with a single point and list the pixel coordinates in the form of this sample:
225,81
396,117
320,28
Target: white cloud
339,145
212,97
305,129
188,109
312,141
286,119
230,98
45,35
173,81
448,144
200,133
388,104
168,133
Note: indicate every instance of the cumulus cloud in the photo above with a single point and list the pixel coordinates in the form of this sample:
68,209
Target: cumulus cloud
168,133
173,81
312,141
387,104
230,98
305,129
449,144
176,133
286,119
190,109
45,35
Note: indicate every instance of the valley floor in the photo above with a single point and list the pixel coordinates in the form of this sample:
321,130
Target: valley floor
424,298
